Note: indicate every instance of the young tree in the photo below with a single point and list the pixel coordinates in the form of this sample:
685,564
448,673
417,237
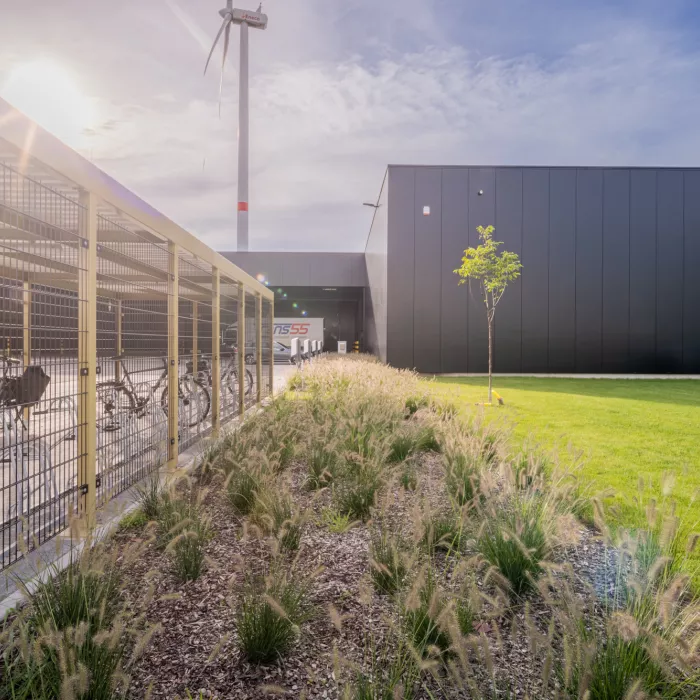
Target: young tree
492,272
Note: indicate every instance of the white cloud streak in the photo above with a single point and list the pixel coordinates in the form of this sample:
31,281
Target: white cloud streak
323,129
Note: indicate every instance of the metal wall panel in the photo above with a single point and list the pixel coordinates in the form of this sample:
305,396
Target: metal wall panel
589,270
642,310
562,270
400,273
482,212
454,298
691,275
304,269
669,275
616,270
509,229
376,264
426,285
535,259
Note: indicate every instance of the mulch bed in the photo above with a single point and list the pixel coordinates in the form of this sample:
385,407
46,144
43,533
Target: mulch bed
196,648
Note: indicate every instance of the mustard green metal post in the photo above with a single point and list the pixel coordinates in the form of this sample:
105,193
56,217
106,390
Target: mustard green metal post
87,363
241,348
272,348
258,346
173,359
120,349
195,332
27,333
215,352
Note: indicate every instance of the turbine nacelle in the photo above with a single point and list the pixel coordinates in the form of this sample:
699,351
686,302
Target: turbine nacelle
256,20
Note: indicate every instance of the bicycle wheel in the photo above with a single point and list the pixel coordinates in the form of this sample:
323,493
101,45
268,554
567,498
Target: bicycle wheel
115,403
248,382
231,382
195,400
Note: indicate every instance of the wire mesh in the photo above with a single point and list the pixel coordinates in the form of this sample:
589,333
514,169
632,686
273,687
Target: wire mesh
228,311
132,350
73,269
39,320
194,352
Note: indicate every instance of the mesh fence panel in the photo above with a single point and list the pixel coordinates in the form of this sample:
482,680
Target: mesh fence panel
267,356
92,299
40,240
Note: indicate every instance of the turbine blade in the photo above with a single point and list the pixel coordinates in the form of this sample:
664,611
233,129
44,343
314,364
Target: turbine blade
213,46
223,63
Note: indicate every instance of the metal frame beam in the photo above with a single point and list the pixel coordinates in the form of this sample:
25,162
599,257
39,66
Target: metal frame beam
258,347
87,365
240,320
32,141
173,359
215,354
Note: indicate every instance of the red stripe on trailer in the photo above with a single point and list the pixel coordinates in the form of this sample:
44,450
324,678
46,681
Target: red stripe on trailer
242,206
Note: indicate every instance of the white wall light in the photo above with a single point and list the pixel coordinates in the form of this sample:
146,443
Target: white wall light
426,211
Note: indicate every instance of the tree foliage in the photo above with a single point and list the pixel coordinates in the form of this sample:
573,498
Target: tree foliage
492,271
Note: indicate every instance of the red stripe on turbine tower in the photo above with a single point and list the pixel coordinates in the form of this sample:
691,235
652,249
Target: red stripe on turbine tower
242,206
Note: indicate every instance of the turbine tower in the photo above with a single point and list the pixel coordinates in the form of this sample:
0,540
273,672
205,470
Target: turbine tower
257,20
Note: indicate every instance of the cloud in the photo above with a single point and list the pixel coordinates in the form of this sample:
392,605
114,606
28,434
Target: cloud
332,107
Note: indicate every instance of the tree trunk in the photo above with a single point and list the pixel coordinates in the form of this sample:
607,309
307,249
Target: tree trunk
490,320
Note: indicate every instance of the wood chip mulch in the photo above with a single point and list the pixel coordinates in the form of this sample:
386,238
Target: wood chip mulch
196,649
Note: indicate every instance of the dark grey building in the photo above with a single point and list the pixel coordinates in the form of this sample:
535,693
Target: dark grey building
331,286
610,280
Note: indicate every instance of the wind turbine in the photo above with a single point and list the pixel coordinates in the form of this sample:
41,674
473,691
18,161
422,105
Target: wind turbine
245,19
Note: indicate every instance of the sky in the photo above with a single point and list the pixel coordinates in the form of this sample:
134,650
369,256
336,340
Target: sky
341,88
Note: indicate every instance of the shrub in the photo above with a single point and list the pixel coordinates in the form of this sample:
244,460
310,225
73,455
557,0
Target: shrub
403,445
269,614
409,478
323,461
355,493
414,403
440,532
489,446
528,470
149,495
70,645
274,514
187,549
133,520
465,617
387,562
86,591
515,543
411,438
242,487
390,673
337,523
462,470
174,516
616,665
231,453
423,618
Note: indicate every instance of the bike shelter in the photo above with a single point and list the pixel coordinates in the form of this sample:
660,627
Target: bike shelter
106,309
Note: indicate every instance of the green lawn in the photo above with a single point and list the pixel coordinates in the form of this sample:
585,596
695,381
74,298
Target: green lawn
626,429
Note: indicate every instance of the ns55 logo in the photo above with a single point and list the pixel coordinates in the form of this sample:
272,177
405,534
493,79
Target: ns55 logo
291,328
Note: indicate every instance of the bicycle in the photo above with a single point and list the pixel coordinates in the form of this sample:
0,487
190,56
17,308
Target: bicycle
121,397
229,374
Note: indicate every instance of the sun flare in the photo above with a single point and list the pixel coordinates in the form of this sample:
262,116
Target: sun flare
50,94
